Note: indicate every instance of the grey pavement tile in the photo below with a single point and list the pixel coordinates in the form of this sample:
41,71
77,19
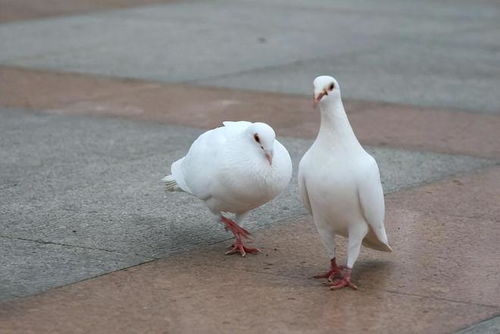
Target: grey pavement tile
180,42
440,75
490,326
421,53
30,267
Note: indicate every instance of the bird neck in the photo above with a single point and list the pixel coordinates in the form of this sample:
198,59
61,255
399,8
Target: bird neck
335,128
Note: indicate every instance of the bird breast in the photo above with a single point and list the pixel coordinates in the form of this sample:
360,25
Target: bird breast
248,181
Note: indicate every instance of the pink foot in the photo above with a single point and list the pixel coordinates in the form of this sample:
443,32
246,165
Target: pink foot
334,272
239,233
235,228
344,281
239,247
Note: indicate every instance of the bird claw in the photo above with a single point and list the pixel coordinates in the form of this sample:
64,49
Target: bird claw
334,272
338,277
238,247
341,283
330,275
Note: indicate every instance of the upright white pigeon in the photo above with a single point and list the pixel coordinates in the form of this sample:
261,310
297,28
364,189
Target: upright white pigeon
234,169
339,183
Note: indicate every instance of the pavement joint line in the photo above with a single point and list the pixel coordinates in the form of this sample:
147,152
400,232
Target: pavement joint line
477,170
298,218
43,242
14,61
443,299
276,66
56,288
494,160
302,277
470,328
385,290
147,86
198,81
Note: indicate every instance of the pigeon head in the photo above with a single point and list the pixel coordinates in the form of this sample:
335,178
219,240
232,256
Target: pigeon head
262,136
326,88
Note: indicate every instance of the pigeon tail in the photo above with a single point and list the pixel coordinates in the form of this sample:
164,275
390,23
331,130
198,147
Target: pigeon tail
379,243
171,184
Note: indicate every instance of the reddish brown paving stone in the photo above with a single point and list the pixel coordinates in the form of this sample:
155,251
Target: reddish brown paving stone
475,195
438,252
442,276
427,128
14,10
34,89
171,296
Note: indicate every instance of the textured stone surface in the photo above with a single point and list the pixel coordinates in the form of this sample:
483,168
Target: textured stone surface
441,277
166,297
437,56
31,266
94,183
204,107
490,326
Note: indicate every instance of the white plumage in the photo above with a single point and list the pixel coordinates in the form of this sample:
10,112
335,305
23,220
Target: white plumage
340,185
234,168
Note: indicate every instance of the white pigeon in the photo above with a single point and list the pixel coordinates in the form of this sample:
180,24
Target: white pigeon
234,169
339,183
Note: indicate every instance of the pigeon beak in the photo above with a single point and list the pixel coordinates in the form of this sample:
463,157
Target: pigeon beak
269,157
317,98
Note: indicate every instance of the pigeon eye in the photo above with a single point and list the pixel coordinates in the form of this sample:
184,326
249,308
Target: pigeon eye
256,137
332,86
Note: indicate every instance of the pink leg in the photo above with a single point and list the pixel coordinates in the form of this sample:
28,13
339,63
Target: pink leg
334,272
344,281
239,233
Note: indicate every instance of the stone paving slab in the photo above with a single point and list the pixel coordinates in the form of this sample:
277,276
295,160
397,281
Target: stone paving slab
169,297
14,10
94,183
375,123
490,326
475,196
418,287
31,266
425,61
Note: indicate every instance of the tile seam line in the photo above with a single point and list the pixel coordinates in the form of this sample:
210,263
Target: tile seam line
193,83
15,60
342,9
494,159
478,323
285,64
17,299
43,242
497,307
404,147
153,259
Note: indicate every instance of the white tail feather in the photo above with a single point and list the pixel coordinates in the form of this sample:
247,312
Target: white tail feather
171,184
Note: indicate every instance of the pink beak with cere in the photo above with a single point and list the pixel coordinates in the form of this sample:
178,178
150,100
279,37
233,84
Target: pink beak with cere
318,98
269,157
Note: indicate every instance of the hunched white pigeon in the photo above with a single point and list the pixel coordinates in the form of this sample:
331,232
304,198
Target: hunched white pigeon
234,169
339,183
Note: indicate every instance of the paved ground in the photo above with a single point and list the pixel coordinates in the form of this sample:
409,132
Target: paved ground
94,108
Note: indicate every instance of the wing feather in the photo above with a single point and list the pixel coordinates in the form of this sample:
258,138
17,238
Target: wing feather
371,199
